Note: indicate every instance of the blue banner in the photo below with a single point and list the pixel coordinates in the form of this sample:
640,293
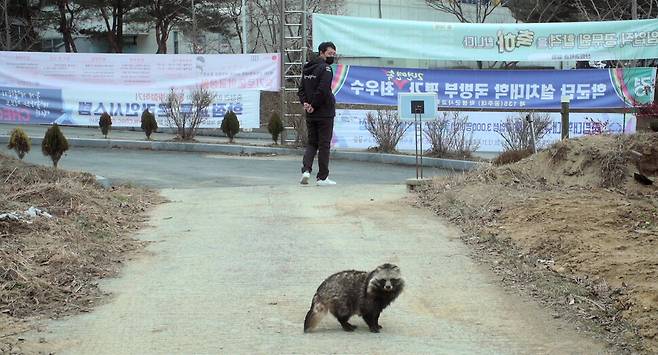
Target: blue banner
498,89
30,105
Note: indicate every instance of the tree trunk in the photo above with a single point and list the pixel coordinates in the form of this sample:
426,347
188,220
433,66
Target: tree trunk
113,43
119,26
7,26
109,30
64,27
162,35
70,25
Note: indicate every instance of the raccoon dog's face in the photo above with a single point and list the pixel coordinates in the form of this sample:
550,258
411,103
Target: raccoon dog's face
386,277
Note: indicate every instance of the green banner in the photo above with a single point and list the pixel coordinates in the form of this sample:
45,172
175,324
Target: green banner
369,37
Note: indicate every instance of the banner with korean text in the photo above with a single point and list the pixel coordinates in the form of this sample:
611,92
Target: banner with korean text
74,89
350,129
503,89
372,37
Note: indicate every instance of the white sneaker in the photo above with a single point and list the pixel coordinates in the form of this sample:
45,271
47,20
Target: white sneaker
305,176
325,182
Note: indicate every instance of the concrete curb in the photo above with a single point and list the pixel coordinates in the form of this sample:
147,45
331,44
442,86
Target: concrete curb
399,159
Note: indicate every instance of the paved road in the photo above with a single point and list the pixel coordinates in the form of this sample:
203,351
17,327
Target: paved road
190,170
233,268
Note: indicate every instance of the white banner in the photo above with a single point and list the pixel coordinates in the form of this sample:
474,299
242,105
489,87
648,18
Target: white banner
42,88
350,129
144,71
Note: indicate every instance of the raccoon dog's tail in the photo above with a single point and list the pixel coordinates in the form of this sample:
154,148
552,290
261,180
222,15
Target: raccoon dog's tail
315,314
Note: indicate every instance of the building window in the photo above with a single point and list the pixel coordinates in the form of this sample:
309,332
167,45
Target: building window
51,45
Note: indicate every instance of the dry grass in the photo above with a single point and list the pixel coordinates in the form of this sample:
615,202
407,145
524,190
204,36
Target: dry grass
548,226
613,168
511,156
50,267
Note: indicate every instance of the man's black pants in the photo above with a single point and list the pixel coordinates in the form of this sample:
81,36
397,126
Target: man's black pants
320,131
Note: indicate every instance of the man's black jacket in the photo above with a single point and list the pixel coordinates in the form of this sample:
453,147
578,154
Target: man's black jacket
315,89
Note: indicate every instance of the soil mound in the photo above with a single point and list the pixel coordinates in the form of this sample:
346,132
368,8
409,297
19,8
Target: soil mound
572,225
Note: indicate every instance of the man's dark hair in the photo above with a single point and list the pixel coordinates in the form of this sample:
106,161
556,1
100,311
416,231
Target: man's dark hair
326,45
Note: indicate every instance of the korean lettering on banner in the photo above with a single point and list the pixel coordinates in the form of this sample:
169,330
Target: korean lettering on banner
373,87
386,88
583,91
224,103
29,105
28,99
487,89
639,39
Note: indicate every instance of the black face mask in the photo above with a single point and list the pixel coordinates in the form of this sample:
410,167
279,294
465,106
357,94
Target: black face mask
329,60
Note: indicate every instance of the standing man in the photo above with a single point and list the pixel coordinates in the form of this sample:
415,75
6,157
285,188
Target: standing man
320,106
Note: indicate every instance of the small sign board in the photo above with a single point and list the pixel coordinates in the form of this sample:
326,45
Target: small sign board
421,106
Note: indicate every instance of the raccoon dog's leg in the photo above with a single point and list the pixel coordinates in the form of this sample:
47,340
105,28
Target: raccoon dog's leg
343,315
372,320
314,315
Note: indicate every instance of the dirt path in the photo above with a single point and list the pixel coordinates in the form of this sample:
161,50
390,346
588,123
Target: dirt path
233,270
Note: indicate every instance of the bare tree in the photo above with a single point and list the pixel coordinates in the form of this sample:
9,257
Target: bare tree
166,14
4,7
113,16
386,128
67,12
234,13
539,11
483,8
612,10
609,10
188,117
114,31
448,136
265,21
516,130
17,27
207,17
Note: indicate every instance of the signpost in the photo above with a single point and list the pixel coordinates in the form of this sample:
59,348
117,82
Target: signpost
416,108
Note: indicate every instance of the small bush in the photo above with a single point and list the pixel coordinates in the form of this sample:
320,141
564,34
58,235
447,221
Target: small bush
512,156
105,123
19,142
448,138
386,128
54,144
516,133
230,125
187,118
275,127
149,123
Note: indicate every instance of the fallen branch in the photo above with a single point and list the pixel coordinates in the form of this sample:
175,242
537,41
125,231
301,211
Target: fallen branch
590,301
10,174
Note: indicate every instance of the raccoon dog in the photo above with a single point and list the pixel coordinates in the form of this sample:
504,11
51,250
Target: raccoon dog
351,292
